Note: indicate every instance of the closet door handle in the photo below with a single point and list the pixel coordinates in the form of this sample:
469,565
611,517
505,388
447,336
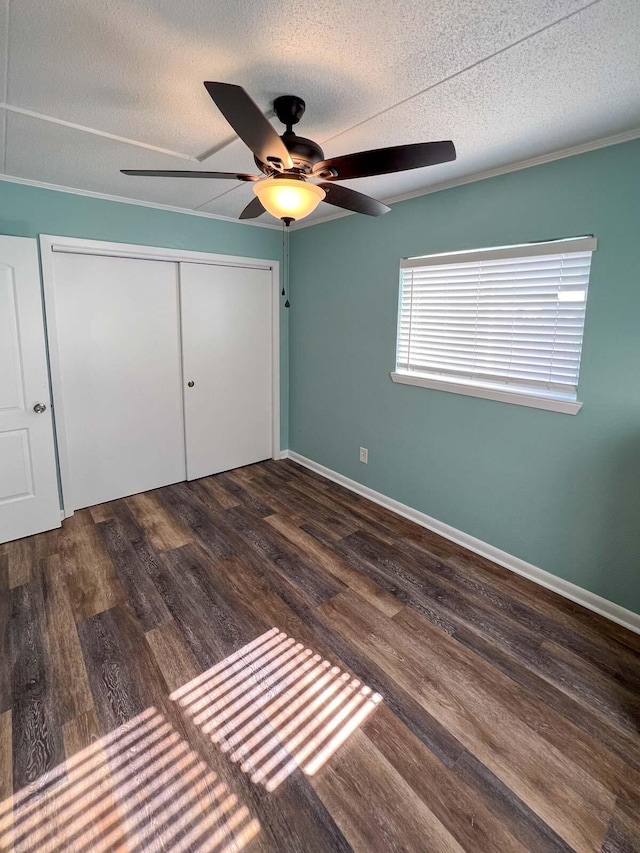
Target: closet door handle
191,383
39,408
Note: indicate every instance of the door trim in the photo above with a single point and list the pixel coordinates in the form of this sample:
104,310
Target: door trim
51,244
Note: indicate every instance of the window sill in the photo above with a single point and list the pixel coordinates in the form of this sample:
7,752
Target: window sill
566,407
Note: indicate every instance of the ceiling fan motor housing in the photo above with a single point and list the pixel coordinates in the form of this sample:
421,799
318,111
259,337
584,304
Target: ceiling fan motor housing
305,153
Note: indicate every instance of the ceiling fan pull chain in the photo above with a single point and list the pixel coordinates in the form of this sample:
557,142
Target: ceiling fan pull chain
283,258
286,222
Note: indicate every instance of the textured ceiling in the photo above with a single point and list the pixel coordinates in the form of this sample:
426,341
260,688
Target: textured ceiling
507,80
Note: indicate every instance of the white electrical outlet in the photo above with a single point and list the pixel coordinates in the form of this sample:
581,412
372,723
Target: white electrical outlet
364,455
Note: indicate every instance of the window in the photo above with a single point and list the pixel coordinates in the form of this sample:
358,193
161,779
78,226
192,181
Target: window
501,323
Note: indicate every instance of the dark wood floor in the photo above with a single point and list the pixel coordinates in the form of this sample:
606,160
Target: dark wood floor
262,660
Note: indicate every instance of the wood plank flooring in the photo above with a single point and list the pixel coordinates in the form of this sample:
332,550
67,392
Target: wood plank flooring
264,661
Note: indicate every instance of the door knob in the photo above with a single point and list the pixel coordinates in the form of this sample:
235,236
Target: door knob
191,383
39,408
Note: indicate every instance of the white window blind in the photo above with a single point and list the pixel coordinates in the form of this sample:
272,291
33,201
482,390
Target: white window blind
509,318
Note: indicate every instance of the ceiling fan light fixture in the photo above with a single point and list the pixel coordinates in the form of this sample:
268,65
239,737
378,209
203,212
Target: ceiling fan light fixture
291,198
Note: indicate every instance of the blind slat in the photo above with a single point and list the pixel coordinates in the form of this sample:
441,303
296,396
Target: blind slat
511,316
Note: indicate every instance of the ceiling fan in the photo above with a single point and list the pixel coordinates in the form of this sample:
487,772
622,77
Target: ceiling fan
295,175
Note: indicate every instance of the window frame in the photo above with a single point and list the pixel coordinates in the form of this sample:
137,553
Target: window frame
486,389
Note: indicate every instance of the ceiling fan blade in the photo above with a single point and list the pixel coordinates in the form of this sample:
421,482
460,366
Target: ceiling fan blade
253,209
352,200
246,118
156,173
382,161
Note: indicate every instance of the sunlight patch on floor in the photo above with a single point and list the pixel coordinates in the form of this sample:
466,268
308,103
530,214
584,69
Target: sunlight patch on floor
275,705
139,787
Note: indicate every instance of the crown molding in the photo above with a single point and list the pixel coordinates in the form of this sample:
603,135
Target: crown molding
584,148
122,200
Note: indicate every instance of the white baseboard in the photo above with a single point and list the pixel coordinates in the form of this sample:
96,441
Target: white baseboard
569,590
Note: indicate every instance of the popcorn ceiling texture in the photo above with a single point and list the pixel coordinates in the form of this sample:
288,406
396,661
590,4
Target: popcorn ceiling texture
505,81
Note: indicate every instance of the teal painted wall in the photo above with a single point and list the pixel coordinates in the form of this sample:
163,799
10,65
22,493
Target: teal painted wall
560,491
30,211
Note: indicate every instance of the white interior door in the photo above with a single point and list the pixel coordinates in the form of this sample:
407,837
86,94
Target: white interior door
29,500
227,355
118,351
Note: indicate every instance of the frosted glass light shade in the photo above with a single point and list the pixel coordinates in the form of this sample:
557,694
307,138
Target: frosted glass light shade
288,197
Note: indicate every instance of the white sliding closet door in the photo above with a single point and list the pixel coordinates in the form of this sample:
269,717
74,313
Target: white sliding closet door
226,339
118,335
